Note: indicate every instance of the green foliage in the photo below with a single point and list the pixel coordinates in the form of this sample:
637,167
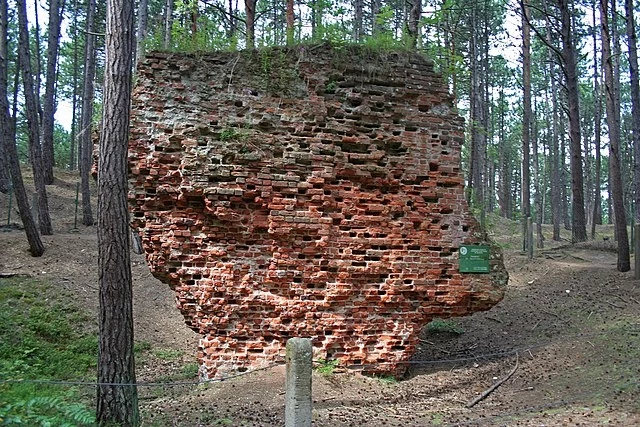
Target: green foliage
232,134
326,367
168,354
444,326
40,339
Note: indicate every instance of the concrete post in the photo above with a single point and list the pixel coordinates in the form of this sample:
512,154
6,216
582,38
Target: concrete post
297,412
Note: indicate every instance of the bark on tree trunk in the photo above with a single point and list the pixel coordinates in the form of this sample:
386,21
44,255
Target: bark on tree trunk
635,103
290,21
85,145
49,104
143,15
250,10
8,145
624,263
526,118
597,197
168,23
33,124
117,400
578,221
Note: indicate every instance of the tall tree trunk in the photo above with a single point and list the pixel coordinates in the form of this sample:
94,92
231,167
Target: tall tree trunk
538,200
74,97
526,122
8,143
85,145
5,120
49,104
141,35
556,162
168,23
635,103
569,57
597,197
117,398
250,10
413,22
624,263
290,21
358,19
33,123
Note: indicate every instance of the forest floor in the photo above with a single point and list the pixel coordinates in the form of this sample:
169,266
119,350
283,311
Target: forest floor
569,325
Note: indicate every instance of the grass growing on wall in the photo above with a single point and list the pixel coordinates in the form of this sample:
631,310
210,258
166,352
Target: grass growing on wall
44,336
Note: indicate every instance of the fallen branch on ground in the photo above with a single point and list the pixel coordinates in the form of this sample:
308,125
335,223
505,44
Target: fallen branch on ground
491,389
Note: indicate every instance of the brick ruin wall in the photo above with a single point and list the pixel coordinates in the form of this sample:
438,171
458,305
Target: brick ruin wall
304,192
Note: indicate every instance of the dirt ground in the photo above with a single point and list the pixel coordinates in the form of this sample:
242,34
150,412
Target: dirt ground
568,332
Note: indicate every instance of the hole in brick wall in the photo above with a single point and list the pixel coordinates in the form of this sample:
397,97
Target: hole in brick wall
243,369
373,213
150,191
396,133
286,321
302,191
431,199
307,238
413,247
408,281
358,263
290,196
255,350
303,145
398,347
444,142
397,215
317,256
433,167
339,199
238,103
371,258
444,227
434,135
251,187
417,225
347,216
196,277
336,221
302,256
352,234
465,228
260,230
318,185
297,280
383,276
367,235
324,268
446,211
411,128
359,252
358,161
327,192
382,235
190,283
435,248
328,332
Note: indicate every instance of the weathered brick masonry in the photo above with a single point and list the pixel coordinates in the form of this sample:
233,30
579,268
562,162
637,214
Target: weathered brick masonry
306,192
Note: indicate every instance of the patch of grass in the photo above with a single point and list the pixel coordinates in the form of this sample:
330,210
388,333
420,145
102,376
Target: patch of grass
168,354
444,326
141,346
326,367
43,336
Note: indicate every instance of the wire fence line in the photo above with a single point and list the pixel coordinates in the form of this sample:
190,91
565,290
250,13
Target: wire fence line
353,367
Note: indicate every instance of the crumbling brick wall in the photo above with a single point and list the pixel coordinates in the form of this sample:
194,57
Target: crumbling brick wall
310,192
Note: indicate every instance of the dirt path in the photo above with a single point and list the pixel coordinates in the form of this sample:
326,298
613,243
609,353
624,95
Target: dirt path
571,321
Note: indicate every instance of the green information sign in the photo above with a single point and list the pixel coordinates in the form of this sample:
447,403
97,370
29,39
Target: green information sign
474,259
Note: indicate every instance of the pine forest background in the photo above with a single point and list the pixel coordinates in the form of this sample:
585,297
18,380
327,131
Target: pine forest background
549,89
